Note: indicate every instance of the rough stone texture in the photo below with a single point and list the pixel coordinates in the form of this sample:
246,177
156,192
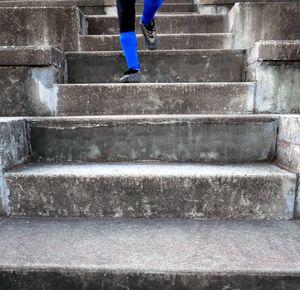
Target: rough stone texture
275,67
13,150
159,66
180,23
264,21
182,98
153,190
176,138
166,41
23,26
149,254
27,90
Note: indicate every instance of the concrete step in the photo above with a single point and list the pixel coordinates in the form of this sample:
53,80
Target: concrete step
149,254
174,138
166,8
152,190
180,23
169,1
165,98
166,41
171,7
159,66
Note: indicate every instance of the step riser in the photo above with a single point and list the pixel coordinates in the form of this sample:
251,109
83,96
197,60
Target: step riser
164,99
112,10
138,140
165,24
159,66
61,280
143,196
112,43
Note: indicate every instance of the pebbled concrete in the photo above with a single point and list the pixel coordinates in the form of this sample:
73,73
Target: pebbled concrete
174,138
180,23
166,98
149,254
153,190
159,66
166,41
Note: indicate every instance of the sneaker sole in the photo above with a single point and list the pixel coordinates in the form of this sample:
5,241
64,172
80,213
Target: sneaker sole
136,78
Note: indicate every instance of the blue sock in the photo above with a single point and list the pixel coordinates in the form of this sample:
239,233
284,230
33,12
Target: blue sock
150,8
129,46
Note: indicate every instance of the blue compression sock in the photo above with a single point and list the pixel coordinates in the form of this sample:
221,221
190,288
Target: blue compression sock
150,8
129,46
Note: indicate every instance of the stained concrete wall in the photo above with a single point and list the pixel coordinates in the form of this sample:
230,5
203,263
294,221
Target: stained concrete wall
251,22
275,67
13,151
28,78
288,148
53,26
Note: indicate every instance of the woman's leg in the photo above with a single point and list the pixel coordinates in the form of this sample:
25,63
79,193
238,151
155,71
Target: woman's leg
128,39
150,8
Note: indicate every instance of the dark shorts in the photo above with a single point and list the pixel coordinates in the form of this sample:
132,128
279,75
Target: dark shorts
126,13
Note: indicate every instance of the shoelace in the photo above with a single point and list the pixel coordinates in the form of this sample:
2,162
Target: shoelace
150,29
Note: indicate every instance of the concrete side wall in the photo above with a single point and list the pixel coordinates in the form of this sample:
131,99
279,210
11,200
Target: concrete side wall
275,67
262,21
278,86
288,148
55,27
29,91
13,151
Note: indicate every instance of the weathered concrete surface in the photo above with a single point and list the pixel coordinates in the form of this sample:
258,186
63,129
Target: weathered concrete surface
166,41
149,254
181,23
153,190
28,78
171,8
275,67
213,9
14,150
220,2
175,138
159,66
23,26
275,50
176,98
30,56
251,22
288,148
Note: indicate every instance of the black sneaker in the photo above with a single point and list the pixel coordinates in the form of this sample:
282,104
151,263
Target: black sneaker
149,35
131,76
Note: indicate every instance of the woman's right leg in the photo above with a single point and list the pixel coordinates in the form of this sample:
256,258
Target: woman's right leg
128,39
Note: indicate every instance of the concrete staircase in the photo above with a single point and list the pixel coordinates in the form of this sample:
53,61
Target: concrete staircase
184,148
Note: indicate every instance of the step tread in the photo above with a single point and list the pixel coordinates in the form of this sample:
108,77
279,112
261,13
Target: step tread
146,169
151,246
157,52
64,120
212,34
